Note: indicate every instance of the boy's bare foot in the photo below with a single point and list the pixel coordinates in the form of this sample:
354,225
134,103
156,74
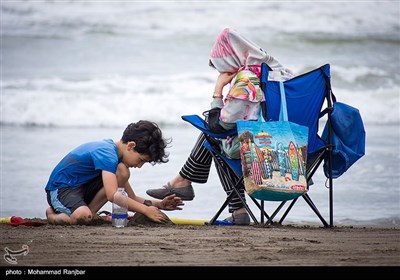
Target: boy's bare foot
57,219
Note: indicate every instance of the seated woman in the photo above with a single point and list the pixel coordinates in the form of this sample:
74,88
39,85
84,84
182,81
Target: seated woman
238,61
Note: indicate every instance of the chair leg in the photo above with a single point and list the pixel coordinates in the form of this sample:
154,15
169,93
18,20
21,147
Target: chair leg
314,208
226,202
309,202
261,208
236,190
229,198
245,204
287,210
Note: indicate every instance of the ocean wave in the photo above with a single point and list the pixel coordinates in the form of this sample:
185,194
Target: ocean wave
99,64
103,101
110,101
165,19
328,38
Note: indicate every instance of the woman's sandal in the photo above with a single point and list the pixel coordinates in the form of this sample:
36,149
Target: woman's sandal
185,193
242,219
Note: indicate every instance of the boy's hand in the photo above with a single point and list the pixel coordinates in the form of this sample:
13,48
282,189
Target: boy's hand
171,202
154,214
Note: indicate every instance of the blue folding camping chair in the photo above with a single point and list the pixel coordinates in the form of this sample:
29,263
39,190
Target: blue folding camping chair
305,97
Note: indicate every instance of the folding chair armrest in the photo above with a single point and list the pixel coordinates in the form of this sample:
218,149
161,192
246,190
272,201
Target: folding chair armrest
200,124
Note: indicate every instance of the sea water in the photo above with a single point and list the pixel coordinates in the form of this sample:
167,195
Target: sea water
81,71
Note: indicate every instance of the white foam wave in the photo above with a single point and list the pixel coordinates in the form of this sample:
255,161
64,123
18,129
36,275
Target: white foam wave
116,100
112,101
353,74
71,19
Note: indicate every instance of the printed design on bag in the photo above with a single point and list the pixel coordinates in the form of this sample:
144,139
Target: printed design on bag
273,160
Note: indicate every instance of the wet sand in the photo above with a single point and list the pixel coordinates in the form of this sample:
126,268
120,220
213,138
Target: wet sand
189,246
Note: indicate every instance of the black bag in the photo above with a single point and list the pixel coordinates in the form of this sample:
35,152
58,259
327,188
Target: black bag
211,118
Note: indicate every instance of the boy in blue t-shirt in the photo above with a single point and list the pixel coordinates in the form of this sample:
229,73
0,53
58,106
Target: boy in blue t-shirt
87,177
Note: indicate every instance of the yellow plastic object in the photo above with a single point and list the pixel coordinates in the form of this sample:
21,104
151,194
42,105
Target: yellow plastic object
5,220
184,221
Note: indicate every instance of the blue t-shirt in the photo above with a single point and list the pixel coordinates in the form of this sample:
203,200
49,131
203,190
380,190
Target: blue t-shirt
83,164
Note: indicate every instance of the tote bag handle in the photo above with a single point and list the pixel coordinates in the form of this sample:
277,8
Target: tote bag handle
283,115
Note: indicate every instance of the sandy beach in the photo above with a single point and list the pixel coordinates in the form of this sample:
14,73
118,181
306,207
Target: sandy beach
187,246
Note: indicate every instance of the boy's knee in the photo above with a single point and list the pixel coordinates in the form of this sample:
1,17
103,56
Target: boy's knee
82,216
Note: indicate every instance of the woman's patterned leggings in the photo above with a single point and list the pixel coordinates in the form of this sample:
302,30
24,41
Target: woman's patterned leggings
197,168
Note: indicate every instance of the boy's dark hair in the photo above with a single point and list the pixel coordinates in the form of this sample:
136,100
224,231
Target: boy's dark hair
149,140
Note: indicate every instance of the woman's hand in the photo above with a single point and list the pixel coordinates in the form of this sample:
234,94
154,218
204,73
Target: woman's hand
222,80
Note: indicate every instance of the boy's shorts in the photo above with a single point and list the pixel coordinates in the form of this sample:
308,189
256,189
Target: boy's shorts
67,200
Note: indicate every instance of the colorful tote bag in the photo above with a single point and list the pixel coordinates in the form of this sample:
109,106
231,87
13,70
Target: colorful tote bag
274,156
